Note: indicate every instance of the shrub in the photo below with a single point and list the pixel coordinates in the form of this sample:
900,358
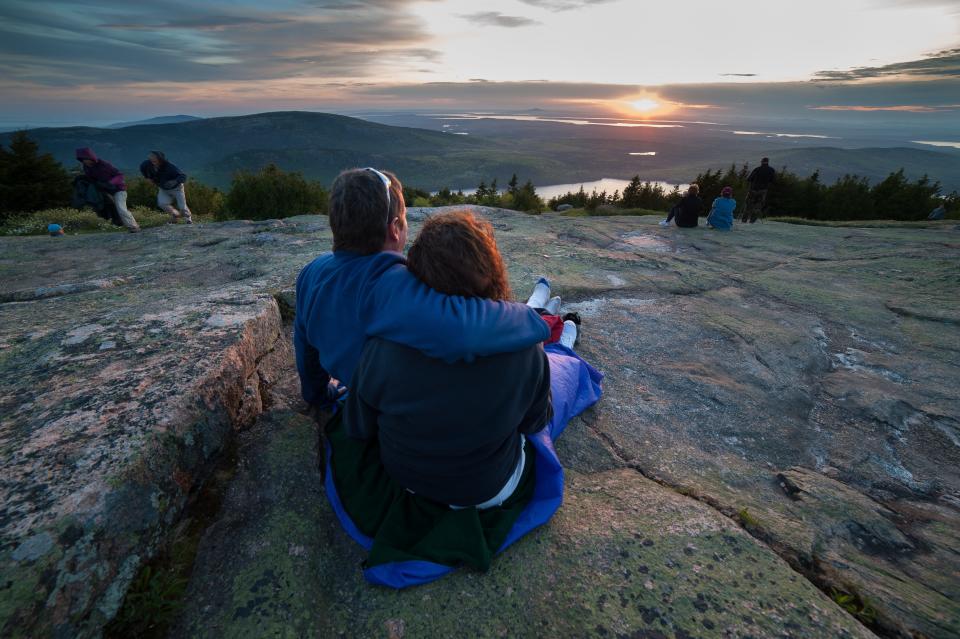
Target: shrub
272,193
207,200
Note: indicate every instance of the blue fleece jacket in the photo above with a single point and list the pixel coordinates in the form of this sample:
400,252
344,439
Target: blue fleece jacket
721,213
344,297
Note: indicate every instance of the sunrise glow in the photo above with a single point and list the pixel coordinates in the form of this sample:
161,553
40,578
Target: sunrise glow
645,105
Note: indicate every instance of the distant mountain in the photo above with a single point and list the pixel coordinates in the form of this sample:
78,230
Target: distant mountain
320,145
163,119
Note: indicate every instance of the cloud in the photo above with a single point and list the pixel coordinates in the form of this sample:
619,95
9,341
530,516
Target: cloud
941,64
564,5
53,43
906,108
497,19
739,75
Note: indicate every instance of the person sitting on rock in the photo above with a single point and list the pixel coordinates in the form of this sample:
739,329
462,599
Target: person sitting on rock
169,181
688,210
363,289
108,181
721,213
436,463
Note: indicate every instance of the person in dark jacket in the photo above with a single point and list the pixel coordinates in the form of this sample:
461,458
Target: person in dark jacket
170,185
109,181
688,210
453,433
760,179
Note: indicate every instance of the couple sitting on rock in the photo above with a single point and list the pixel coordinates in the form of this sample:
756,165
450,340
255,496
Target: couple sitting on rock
440,451
686,212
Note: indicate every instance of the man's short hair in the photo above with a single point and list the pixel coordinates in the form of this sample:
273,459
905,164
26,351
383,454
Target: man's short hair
360,210
765,161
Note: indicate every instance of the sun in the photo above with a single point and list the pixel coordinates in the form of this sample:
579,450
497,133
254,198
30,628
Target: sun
644,105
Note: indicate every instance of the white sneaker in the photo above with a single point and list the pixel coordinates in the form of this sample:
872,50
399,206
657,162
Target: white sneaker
553,306
570,334
664,223
540,295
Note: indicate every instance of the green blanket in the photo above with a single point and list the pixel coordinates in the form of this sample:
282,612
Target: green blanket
405,526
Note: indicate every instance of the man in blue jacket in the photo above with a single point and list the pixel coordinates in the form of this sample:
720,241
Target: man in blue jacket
169,180
363,289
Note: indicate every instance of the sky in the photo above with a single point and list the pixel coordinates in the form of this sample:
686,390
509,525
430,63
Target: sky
94,62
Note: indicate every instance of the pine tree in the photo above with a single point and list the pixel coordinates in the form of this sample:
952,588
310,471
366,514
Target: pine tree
512,185
30,181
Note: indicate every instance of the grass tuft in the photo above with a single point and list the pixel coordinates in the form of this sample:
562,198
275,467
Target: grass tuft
75,222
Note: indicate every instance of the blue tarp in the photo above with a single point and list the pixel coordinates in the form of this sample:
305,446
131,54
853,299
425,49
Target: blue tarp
575,386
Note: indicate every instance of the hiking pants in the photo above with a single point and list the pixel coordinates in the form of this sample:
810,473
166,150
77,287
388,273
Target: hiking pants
119,200
753,207
166,198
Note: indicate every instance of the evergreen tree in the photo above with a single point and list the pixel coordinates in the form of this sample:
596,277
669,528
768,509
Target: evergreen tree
631,193
30,181
481,193
526,199
512,185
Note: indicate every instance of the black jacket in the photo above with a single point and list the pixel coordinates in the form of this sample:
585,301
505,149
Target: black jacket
689,210
762,177
448,432
166,176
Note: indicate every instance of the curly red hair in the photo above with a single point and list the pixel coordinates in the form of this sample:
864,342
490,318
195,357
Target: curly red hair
455,253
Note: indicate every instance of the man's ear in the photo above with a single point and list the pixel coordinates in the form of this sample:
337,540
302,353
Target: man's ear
393,231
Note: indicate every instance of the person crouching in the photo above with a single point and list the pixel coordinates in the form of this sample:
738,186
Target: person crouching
170,190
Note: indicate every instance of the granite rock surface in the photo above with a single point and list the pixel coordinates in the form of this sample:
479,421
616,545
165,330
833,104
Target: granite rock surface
779,427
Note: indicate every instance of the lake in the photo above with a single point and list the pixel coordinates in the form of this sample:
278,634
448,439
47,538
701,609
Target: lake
604,184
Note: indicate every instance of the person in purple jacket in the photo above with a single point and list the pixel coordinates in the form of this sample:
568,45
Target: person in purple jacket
363,289
109,181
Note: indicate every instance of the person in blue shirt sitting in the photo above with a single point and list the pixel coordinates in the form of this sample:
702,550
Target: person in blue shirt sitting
363,289
721,213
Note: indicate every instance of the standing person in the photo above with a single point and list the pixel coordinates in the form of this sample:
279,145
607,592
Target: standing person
721,213
688,210
761,179
169,180
108,181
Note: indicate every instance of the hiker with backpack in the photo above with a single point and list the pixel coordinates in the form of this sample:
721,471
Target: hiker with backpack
170,185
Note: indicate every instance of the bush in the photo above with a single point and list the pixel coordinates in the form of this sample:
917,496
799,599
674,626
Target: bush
272,193
141,192
29,181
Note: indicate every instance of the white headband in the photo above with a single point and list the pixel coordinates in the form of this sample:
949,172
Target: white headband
384,179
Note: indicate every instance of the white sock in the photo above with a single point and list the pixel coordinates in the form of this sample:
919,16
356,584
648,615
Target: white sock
540,295
553,306
569,335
